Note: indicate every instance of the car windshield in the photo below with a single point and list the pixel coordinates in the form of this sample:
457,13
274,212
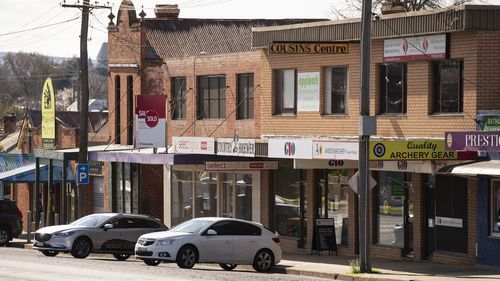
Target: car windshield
191,226
92,220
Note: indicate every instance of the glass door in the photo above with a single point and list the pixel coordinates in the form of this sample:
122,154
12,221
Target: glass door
227,196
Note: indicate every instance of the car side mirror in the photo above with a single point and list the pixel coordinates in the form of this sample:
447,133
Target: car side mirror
211,232
108,226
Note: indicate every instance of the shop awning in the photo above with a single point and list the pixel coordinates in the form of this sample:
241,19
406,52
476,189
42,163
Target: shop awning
26,174
491,167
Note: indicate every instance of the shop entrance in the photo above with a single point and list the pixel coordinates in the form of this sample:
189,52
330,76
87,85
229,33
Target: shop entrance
236,196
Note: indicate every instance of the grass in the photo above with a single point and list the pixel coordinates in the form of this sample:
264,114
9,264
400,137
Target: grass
355,268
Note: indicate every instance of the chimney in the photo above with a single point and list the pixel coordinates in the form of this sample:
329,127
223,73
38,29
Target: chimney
392,7
167,11
9,124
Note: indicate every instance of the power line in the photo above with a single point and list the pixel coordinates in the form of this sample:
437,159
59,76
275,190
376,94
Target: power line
39,27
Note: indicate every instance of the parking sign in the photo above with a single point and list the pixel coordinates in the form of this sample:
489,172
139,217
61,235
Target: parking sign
82,173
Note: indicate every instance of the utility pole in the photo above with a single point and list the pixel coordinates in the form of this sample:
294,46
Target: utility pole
367,127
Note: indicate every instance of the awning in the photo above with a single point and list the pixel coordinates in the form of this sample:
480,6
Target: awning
26,174
491,167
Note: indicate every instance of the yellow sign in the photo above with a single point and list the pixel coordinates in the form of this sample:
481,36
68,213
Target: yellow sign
48,115
308,48
410,150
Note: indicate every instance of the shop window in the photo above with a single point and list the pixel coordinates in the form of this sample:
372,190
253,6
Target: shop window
205,203
211,96
130,111
448,86
335,90
178,101
245,96
243,197
392,88
495,207
285,91
117,109
126,188
182,196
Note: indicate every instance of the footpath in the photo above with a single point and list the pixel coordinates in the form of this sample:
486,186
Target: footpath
338,268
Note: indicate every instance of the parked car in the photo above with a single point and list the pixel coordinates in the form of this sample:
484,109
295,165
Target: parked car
11,221
225,241
109,233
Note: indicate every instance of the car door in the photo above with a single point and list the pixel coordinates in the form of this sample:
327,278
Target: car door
217,248
112,240
246,242
131,229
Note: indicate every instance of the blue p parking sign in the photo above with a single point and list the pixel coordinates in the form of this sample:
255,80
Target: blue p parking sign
82,173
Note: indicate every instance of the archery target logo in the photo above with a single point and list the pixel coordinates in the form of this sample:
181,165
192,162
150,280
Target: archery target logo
379,150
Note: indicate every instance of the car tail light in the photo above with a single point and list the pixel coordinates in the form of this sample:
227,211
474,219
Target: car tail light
20,214
276,240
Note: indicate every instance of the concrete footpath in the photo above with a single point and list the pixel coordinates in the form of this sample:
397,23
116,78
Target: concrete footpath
337,267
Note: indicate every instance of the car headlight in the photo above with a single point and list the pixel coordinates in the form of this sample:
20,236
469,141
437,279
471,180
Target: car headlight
165,242
64,234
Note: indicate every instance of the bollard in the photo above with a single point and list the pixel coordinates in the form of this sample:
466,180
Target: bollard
42,220
56,219
28,239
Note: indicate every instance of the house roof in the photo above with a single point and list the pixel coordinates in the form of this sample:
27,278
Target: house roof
71,119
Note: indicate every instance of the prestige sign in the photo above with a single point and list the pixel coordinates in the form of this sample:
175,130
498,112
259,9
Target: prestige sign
241,166
473,141
238,147
410,150
308,48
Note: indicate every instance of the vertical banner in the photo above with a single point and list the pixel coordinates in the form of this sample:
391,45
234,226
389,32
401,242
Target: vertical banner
150,122
308,91
48,115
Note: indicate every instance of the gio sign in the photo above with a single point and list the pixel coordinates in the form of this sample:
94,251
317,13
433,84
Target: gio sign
82,173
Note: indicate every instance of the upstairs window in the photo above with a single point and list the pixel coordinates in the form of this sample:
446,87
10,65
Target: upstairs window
285,91
211,96
335,90
117,109
245,96
392,88
178,102
448,84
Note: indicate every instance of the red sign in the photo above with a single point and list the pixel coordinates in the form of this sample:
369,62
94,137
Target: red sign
150,120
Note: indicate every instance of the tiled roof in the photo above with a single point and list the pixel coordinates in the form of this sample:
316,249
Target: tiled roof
71,119
189,37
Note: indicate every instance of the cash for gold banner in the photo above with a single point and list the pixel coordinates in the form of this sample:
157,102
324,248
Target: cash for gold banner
48,115
410,150
308,48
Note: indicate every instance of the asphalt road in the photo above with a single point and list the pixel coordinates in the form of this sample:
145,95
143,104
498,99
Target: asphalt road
26,264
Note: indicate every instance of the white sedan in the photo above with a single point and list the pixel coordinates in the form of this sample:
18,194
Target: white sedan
225,241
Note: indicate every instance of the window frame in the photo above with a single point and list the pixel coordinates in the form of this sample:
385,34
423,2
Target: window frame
178,101
206,113
384,89
279,86
493,207
245,100
437,87
328,83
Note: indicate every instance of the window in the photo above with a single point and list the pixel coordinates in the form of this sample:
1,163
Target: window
212,96
245,96
290,203
335,90
4,207
247,229
182,196
393,88
225,228
117,109
285,91
178,102
130,111
448,86
495,207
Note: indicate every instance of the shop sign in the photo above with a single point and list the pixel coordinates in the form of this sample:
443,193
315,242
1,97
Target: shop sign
308,48
415,48
236,147
193,145
150,122
473,141
95,167
241,166
324,164
290,148
48,115
397,188
491,124
331,149
415,166
410,150
308,91
451,222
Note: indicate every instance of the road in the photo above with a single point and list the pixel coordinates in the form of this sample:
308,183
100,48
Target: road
25,264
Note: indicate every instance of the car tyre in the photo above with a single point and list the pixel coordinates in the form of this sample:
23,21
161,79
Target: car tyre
187,257
81,248
4,236
228,266
152,262
49,253
263,261
121,257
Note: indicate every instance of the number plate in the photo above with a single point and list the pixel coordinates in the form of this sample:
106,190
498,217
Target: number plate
142,249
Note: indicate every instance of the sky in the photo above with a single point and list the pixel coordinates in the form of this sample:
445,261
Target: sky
56,29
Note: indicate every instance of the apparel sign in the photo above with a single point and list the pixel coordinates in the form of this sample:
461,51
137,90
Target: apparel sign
290,148
195,145
331,149
241,166
150,122
308,48
236,147
415,48
410,150
48,115
308,91
473,141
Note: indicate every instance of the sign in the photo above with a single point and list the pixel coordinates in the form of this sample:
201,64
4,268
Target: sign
332,149
415,48
308,48
491,124
236,147
451,222
241,166
290,148
410,150
324,237
397,188
193,145
354,182
82,173
473,141
150,121
414,166
324,164
308,91
95,167
48,115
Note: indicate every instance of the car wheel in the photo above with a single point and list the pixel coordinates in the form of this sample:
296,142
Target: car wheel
152,262
81,248
50,253
186,257
4,236
228,266
263,261
121,257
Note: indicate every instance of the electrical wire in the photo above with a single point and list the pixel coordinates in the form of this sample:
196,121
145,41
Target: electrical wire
38,27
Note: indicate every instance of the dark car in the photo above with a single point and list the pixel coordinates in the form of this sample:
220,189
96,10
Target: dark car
11,221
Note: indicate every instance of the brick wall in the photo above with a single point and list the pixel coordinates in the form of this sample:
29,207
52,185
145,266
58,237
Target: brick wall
151,190
488,61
